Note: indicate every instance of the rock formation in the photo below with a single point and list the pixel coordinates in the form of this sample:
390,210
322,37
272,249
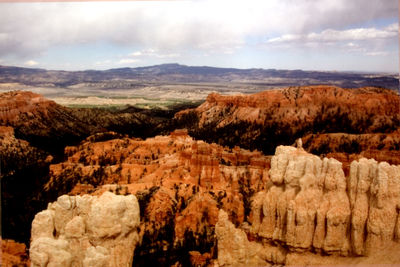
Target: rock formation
349,147
294,209
311,207
278,117
86,231
50,126
181,184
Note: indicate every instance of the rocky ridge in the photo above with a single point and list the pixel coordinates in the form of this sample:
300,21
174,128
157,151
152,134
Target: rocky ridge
349,147
86,231
50,126
278,117
311,208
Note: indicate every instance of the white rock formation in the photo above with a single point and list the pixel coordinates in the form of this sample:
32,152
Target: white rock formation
374,192
310,206
86,231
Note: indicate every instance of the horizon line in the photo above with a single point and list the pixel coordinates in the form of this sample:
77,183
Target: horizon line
207,66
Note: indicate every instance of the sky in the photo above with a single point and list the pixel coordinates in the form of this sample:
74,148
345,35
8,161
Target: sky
330,35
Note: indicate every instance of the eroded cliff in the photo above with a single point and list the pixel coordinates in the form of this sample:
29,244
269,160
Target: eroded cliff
180,183
278,117
296,209
50,126
310,208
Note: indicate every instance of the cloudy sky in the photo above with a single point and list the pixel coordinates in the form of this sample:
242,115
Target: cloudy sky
356,35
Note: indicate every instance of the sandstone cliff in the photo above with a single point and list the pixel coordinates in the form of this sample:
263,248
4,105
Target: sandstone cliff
50,126
86,231
295,209
310,208
278,117
349,147
180,183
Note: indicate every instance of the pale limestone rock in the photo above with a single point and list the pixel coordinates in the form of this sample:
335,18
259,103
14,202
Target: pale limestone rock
361,175
235,250
86,231
307,205
75,228
46,251
374,190
310,207
43,226
96,257
384,200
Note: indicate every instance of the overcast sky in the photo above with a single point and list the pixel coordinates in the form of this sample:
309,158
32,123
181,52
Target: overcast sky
357,35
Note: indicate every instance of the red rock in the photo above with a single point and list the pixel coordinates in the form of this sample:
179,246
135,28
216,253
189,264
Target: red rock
13,253
189,180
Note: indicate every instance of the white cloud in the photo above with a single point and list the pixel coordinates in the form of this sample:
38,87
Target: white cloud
172,26
366,41
30,63
128,61
377,53
153,53
330,35
136,54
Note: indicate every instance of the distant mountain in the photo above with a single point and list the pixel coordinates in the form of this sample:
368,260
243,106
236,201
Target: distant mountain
176,73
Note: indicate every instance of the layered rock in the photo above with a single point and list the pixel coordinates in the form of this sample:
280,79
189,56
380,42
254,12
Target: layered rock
86,231
299,104
374,192
278,117
15,104
349,147
307,205
234,248
51,127
311,208
181,184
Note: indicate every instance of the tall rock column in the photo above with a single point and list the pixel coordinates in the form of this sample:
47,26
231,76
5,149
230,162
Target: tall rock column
374,190
307,205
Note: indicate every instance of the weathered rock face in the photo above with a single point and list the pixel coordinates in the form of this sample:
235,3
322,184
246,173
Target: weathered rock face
277,117
235,249
51,127
303,103
181,184
349,147
307,208
307,205
374,191
15,104
86,231
40,121
311,207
